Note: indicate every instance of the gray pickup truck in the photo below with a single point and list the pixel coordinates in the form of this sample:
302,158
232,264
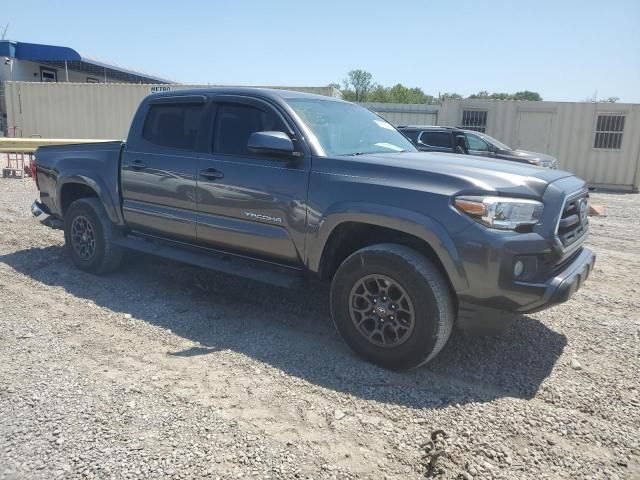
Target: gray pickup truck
278,185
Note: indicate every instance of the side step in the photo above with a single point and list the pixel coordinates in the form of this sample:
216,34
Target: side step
260,271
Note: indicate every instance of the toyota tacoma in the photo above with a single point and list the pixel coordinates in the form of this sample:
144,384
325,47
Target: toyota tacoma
279,185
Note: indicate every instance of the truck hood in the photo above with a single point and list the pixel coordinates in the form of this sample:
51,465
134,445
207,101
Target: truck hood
464,172
526,156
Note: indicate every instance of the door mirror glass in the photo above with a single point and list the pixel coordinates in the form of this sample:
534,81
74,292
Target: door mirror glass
270,142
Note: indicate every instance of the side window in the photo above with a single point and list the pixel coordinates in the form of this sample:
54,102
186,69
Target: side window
236,122
436,139
173,125
609,129
48,75
477,144
411,135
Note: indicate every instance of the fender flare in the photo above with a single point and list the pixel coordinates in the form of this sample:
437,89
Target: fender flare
414,223
97,185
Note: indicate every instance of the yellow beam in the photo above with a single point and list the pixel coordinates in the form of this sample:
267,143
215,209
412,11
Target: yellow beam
29,145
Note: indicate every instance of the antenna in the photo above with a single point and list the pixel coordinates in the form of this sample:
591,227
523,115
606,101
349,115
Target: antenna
4,32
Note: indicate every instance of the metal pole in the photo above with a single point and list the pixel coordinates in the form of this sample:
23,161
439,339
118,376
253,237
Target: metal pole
66,71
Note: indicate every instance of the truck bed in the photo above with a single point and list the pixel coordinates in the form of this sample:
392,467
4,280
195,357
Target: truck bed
96,163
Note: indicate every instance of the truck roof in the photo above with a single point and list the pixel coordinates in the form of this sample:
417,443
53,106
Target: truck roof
271,93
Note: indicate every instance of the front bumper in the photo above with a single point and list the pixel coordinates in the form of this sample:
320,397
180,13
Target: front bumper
493,314
561,288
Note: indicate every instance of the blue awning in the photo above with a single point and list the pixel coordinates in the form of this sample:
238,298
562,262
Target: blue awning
65,57
36,52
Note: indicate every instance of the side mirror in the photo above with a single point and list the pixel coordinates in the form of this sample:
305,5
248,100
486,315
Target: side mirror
270,142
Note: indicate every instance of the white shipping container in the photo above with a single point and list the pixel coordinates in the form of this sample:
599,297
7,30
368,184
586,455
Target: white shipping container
88,110
599,142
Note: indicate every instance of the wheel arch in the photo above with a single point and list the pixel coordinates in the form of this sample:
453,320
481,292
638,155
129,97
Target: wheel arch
79,185
342,233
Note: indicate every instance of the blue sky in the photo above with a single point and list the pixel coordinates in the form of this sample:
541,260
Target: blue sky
565,50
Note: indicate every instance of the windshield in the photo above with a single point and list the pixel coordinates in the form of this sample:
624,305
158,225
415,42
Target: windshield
347,129
493,141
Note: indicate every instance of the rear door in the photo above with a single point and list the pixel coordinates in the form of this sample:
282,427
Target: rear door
248,202
436,141
159,167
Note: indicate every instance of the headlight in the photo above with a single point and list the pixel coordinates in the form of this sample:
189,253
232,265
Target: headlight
545,163
502,213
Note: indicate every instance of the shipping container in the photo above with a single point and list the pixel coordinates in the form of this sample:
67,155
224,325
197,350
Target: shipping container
599,142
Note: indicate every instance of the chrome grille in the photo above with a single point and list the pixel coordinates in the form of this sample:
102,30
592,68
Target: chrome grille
574,219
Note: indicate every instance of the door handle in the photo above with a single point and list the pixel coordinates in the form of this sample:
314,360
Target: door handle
138,165
211,174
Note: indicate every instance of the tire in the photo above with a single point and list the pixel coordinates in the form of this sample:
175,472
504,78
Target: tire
397,343
100,255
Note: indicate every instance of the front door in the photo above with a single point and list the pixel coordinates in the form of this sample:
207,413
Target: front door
477,146
159,168
248,202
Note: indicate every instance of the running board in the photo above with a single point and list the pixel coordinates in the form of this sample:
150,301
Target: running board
238,266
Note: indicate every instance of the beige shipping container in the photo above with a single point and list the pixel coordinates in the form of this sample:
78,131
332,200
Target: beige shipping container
405,114
88,110
599,142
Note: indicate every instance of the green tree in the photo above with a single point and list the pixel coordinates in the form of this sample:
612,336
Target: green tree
480,94
501,96
401,94
527,95
523,95
450,96
379,94
357,85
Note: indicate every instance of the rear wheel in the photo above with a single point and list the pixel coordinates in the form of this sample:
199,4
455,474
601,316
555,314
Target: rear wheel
88,237
392,306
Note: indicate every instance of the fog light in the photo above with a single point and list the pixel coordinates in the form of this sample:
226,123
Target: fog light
518,268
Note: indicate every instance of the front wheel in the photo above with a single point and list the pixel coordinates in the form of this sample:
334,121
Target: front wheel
88,237
392,306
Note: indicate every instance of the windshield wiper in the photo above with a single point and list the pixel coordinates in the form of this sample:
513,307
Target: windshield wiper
355,154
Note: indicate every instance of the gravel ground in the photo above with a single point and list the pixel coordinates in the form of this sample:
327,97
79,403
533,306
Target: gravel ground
162,370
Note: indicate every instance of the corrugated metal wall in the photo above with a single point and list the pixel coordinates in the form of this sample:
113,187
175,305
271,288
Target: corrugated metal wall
404,114
565,130
87,110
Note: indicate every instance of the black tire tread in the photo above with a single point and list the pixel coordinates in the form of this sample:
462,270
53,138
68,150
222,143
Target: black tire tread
112,254
436,281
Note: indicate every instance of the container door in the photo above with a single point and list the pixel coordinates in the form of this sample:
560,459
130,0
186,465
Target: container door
534,131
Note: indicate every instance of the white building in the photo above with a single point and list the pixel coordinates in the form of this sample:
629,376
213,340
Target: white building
31,62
